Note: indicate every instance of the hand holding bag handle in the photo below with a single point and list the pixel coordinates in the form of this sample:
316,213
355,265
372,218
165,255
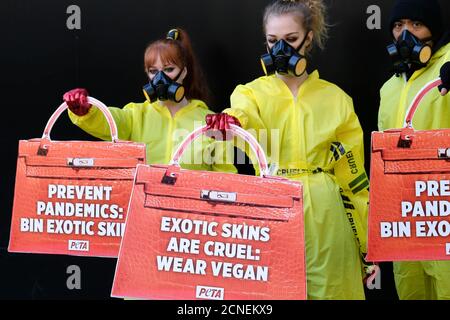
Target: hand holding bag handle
406,136
254,145
43,149
104,109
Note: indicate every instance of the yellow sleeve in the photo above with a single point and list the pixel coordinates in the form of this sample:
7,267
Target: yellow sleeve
245,108
350,132
348,154
96,125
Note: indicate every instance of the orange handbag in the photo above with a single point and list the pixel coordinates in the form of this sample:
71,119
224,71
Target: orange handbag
212,236
72,197
409,216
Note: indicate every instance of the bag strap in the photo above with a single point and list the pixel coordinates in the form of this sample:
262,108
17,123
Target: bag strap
254,145
418,99
92,101
407,133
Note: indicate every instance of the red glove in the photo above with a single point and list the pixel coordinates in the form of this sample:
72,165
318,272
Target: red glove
77,100
220,123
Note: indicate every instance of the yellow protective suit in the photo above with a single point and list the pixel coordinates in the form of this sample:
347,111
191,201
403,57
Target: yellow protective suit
316,138
423,280
154,125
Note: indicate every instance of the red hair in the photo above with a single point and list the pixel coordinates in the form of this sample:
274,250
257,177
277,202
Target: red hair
180,53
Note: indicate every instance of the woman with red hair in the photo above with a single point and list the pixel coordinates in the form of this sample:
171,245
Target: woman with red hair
175,106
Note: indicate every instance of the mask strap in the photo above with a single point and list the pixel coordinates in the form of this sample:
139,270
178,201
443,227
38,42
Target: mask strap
178,76
303,42
424,41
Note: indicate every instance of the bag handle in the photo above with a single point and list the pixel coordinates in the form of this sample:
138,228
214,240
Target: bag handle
418,99
254,145
104,109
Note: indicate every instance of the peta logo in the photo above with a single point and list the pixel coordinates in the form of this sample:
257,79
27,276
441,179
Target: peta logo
75,245
210,293
448,249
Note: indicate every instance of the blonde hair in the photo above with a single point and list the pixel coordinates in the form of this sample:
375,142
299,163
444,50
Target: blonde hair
309,13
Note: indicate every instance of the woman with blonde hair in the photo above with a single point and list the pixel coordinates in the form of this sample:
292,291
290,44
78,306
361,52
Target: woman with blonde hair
320,144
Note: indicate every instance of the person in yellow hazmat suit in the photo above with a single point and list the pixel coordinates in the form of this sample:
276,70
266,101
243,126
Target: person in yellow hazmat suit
421,53
314,136
174,108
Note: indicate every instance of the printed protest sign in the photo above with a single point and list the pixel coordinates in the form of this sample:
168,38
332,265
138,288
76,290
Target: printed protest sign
409,215
73,219
416,226
73,205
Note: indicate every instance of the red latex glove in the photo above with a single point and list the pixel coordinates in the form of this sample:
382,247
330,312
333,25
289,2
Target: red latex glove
220,123
77,100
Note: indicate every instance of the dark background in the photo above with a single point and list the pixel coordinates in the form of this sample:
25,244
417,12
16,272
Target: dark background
40,59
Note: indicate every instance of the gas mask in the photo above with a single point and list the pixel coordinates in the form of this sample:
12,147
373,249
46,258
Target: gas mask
163,88
408,53
284,59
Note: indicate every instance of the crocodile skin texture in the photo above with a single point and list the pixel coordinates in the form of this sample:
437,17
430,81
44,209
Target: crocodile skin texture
114,166
260,202
394,173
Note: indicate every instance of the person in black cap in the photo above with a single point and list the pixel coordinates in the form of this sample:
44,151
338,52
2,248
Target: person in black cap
420,54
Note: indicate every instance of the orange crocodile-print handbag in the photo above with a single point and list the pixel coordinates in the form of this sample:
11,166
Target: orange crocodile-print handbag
213,236
409,216
72,197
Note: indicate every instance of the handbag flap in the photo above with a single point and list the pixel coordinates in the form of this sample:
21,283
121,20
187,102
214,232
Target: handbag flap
84,149
233,195
238,198
422,141
429,152
84,173
92,162
82,160
426,145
